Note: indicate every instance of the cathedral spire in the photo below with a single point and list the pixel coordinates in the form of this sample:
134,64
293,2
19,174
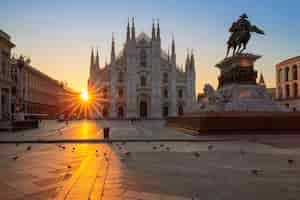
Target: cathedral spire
133,30
173,54
187,61
92,62
112,54
158,31
192,61
168,55
153,30
128,31
97,66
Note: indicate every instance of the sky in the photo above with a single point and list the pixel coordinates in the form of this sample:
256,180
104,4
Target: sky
58,35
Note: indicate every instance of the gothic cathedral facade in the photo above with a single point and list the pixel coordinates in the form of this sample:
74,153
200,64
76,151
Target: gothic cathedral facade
143,81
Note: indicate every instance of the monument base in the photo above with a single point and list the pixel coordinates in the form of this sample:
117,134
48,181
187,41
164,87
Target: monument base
238,90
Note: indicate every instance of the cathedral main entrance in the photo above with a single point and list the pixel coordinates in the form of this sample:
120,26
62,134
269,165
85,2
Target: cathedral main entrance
143,109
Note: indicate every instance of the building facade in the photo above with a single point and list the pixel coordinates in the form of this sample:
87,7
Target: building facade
35,92
6,82
287,83
143,80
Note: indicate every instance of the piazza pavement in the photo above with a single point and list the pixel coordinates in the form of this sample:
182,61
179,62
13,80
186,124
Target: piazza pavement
144,165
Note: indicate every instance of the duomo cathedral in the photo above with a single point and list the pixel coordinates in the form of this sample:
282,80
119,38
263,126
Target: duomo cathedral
143,81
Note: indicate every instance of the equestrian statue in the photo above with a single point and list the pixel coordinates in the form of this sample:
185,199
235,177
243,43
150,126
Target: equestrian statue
240,35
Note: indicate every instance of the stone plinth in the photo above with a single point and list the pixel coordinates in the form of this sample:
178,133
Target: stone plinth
239,122
238,90
237,69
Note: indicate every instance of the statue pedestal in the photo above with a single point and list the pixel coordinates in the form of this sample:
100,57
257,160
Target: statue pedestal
238,69
238,90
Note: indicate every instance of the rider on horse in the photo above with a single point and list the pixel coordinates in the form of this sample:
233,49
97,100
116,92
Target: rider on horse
240,34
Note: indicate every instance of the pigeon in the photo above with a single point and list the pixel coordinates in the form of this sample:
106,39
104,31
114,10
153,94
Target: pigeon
162,145
17,144
28,148
197,154
242,152
210,147
128,153
154,147
290,161
168,148
255,172
96,151
15,157
73,148
69,167
195,197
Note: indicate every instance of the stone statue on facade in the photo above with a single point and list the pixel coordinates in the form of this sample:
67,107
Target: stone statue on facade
240,35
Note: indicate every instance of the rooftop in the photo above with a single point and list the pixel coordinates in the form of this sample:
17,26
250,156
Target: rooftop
289,60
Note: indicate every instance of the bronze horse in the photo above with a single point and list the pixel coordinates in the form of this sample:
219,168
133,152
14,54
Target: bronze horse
240,38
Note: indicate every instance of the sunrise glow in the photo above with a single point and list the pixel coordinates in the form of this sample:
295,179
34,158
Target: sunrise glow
84,95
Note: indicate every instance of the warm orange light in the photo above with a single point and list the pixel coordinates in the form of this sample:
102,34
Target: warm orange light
84,95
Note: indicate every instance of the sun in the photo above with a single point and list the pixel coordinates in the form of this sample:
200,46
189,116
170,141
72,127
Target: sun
84,95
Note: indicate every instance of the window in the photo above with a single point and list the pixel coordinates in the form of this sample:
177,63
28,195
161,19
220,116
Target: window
180,110
120,92
180,93
287,91
143,81
295,90
121,76
165,93
143,58
286,76
279,92
3,68
279,78
165,77
165,111
295,72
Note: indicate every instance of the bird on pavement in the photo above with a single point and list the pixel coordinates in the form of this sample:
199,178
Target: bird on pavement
242,152
256,172
127,153
15,157
210,147
28,148
197,154
195,197
290,161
